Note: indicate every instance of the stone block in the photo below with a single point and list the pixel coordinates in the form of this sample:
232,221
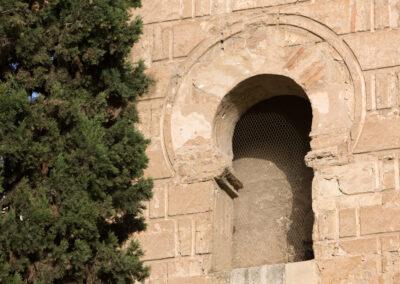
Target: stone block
157,203
375,50
354,15
391,263
273,273
358,177
248,4
191,198
191,280
360,246
238,276
142,50
161,46
387,14
347,223
187,8
158,167
361,200
344,265
390,243
304,272
161,73
264,274
327,225
391,198
185,236
394,13
186,37
387,173
328,187
381,13
222,233
202,8
360,19
379,219
203,234
167,10
349,270
376,136
158,241
187,267
325,249
158,272
386,89
219,7
144,112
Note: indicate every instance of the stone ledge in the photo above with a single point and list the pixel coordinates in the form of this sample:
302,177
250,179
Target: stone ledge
304,272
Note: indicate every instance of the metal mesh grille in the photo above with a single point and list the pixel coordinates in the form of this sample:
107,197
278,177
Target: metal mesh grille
269,145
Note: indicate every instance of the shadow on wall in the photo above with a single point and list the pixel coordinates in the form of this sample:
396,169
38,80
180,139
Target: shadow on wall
273,215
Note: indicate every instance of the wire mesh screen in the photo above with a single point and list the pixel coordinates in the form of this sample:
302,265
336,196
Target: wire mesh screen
273,215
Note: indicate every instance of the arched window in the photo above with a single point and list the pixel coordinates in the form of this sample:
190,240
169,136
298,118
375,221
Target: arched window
273,217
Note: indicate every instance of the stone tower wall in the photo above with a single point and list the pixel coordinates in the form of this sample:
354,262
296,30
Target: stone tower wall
345,54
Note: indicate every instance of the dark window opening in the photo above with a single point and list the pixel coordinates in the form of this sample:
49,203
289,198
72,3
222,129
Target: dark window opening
273,214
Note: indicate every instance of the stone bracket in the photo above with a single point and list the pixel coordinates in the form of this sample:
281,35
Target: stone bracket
228,182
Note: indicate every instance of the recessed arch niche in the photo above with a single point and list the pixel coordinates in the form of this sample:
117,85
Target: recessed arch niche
263,124
200,116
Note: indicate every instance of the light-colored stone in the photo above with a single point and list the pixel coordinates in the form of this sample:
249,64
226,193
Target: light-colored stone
203,234
376,135
328,187
186,37
375,50
273,274
158,167
349,270
214,59
159,10
161,46
191,198
381,13
245,4
185,233
238,276
301,273
191,280
157,203
159,272
357,178
390,243
388,173
354,15
366,199
327,225
187,9
187,267
347,223
386,89
158,241
379,219
360,246
202,7
161,73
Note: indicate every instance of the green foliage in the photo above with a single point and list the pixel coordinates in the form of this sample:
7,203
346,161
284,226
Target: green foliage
71,161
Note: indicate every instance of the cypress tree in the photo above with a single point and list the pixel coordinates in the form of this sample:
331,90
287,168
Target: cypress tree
71,160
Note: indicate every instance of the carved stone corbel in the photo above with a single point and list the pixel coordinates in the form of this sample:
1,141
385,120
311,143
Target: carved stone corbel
229,182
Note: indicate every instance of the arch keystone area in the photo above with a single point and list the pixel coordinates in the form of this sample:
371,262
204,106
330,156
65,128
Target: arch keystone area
299,48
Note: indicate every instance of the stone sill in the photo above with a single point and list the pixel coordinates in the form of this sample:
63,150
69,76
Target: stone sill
304,272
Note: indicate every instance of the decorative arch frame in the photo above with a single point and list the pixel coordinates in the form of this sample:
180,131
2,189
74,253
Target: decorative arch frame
191,146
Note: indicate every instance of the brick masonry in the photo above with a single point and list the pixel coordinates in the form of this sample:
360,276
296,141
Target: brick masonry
345,54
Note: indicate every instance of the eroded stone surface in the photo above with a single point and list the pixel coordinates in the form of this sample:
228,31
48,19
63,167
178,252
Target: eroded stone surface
344,56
